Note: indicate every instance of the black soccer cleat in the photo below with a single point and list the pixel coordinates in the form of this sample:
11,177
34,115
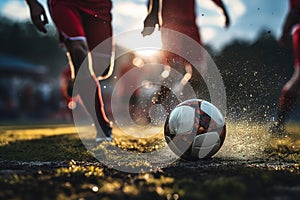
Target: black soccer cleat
107,136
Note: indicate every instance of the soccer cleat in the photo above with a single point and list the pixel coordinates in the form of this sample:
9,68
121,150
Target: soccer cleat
277,129
100,139
107,136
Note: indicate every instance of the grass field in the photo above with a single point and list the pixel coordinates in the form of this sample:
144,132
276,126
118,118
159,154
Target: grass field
51,162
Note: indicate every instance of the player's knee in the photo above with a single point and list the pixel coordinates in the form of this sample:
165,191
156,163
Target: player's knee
77,48
289,90
78,51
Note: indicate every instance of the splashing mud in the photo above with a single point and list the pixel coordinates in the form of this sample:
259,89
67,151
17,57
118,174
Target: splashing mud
248,142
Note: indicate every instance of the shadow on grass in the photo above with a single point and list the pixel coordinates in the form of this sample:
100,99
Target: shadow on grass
47,148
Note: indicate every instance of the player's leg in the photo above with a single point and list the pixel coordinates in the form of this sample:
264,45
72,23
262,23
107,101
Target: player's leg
167,94
78,50
290,90
199,69
288,96
69,23
99,37
92,99
176,65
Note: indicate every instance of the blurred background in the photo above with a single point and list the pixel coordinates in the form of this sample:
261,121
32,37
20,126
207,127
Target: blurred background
253,65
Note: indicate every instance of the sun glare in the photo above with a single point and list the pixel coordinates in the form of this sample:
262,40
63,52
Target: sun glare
147,52
137,61
134,40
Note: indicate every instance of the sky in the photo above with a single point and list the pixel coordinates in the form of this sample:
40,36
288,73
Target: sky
248,18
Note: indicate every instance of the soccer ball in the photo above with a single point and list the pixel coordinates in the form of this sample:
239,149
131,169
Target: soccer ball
195,129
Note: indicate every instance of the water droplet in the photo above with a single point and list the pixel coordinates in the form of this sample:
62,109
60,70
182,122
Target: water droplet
95,189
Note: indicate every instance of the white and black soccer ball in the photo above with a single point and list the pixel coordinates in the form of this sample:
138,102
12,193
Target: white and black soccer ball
195,129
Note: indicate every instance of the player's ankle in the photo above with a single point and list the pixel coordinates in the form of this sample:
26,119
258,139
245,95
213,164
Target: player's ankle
70,88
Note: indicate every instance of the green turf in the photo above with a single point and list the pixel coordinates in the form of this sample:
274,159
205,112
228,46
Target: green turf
41,143
50,162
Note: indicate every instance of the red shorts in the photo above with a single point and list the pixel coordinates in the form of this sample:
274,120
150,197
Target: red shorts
82,19
296,45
